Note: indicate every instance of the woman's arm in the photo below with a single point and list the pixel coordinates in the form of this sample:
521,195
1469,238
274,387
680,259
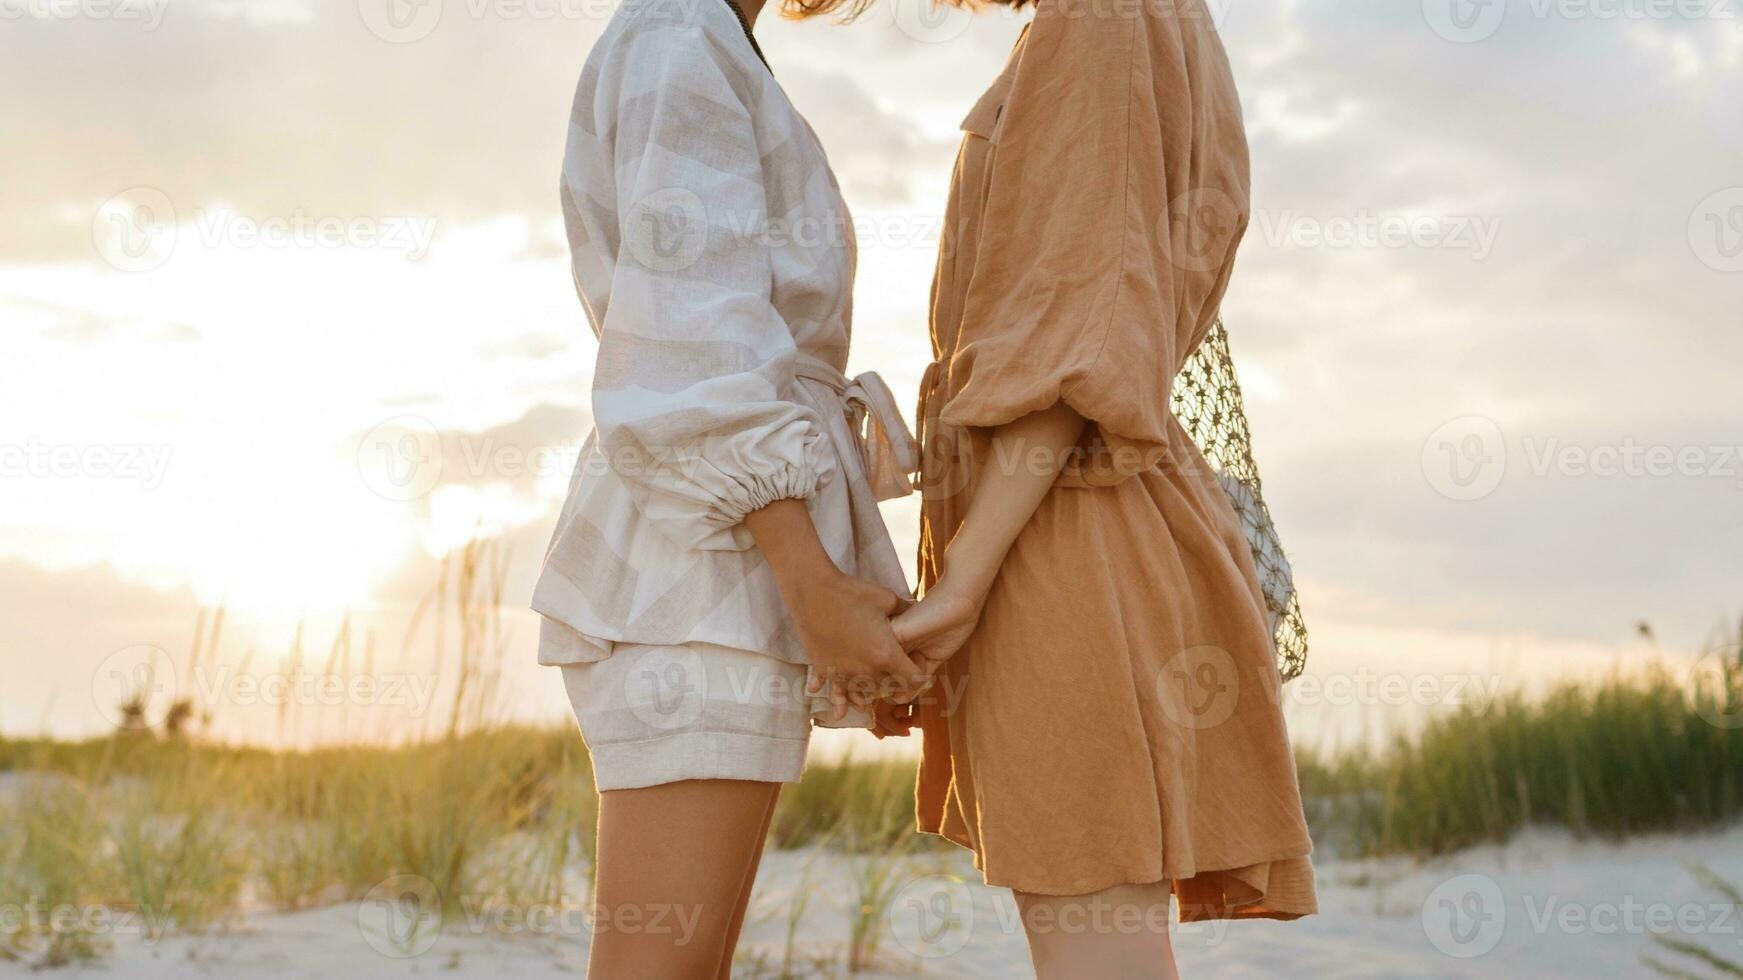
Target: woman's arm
1025,460
843,621
691,391
692,383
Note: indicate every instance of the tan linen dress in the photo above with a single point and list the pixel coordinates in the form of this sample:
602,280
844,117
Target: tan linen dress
1115,717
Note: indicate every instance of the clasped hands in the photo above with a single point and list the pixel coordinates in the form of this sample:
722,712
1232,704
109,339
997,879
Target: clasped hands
873,650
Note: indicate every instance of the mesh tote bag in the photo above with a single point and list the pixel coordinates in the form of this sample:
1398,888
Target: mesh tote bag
1207,400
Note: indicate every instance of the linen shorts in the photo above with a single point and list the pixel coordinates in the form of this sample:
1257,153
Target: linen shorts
661,714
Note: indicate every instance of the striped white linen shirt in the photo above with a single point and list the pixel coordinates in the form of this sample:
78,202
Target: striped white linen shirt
714,257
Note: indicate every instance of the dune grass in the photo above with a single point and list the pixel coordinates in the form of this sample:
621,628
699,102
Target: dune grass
1620,755
186,833
170,830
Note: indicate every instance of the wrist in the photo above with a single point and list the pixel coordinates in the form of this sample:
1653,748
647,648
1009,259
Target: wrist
816,590
963,583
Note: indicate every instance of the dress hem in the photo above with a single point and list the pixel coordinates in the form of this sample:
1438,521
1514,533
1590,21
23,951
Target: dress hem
1196,912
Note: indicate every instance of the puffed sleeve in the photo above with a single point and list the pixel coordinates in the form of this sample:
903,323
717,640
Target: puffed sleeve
691,389
1116,196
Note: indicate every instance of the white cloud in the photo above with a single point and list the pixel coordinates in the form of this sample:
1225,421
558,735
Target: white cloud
1589,318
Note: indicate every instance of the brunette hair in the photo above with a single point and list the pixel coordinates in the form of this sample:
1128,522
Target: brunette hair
847,10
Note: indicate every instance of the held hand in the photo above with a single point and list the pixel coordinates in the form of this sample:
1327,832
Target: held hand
891,719
844,625
934,629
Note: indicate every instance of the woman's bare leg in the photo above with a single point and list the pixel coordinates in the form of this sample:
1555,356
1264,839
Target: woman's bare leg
1117,934
744,893
673,862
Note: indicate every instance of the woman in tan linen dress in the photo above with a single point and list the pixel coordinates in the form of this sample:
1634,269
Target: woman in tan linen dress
1113,719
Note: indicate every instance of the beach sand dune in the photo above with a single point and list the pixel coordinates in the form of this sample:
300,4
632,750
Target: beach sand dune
1544,905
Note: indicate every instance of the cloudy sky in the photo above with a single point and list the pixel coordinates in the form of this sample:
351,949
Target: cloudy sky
284,318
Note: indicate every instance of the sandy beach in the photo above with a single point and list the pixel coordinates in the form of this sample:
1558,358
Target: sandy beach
1543,905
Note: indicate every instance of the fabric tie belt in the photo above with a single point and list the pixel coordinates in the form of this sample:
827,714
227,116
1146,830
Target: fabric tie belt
887,449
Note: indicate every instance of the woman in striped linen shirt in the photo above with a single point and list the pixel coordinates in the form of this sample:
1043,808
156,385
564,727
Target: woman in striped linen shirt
720,551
